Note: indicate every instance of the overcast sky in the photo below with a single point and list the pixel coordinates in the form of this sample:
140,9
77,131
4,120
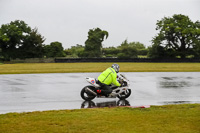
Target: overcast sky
68,21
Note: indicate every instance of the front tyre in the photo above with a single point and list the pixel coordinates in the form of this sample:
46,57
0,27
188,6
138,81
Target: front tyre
124,95
88,96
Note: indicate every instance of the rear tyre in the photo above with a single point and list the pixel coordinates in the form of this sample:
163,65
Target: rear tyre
87,95
124,95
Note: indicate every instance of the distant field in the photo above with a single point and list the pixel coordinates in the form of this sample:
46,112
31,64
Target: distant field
156,119
23,68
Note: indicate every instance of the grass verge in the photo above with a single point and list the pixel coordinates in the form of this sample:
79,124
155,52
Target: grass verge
169,118
24,68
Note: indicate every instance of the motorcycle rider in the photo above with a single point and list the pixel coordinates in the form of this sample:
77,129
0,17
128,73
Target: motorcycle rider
106,78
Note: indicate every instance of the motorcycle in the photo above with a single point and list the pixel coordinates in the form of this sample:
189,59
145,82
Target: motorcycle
89,92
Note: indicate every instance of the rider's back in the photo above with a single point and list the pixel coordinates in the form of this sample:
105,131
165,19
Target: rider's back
108,77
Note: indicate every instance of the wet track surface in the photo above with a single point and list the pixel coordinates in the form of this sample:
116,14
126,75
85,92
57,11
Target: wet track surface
38,92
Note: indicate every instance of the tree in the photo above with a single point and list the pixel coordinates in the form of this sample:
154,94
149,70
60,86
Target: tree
157,51
55,49
178,34
110,51
33,45
141,50
75,51
93,44
18,40
127,50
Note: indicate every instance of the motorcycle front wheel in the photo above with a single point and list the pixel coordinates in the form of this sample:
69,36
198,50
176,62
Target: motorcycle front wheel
124,95
87,95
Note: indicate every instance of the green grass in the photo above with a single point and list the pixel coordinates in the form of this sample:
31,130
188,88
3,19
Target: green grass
183,118
24,68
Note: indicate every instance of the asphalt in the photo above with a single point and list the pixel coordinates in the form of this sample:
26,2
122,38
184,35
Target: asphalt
39,92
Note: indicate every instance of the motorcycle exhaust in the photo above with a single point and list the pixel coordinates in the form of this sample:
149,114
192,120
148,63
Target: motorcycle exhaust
88,89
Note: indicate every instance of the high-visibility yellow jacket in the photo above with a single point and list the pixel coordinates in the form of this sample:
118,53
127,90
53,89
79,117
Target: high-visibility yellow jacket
108,77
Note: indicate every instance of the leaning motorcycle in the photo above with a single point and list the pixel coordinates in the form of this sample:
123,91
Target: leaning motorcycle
89,92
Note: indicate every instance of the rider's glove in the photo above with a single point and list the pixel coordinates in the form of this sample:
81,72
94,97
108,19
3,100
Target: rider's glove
120,81
123,84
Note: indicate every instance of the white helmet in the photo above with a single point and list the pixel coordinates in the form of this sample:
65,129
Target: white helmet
115,67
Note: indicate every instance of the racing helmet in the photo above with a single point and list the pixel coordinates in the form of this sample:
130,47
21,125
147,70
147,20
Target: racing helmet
115,67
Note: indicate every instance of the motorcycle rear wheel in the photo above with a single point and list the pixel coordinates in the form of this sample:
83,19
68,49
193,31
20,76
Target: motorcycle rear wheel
88,96
123,95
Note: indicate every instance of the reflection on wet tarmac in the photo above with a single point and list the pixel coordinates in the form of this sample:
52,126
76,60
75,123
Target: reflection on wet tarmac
92,104
177,102
174,82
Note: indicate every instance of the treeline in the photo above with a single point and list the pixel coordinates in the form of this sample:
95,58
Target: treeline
125,50
178,37
18,40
